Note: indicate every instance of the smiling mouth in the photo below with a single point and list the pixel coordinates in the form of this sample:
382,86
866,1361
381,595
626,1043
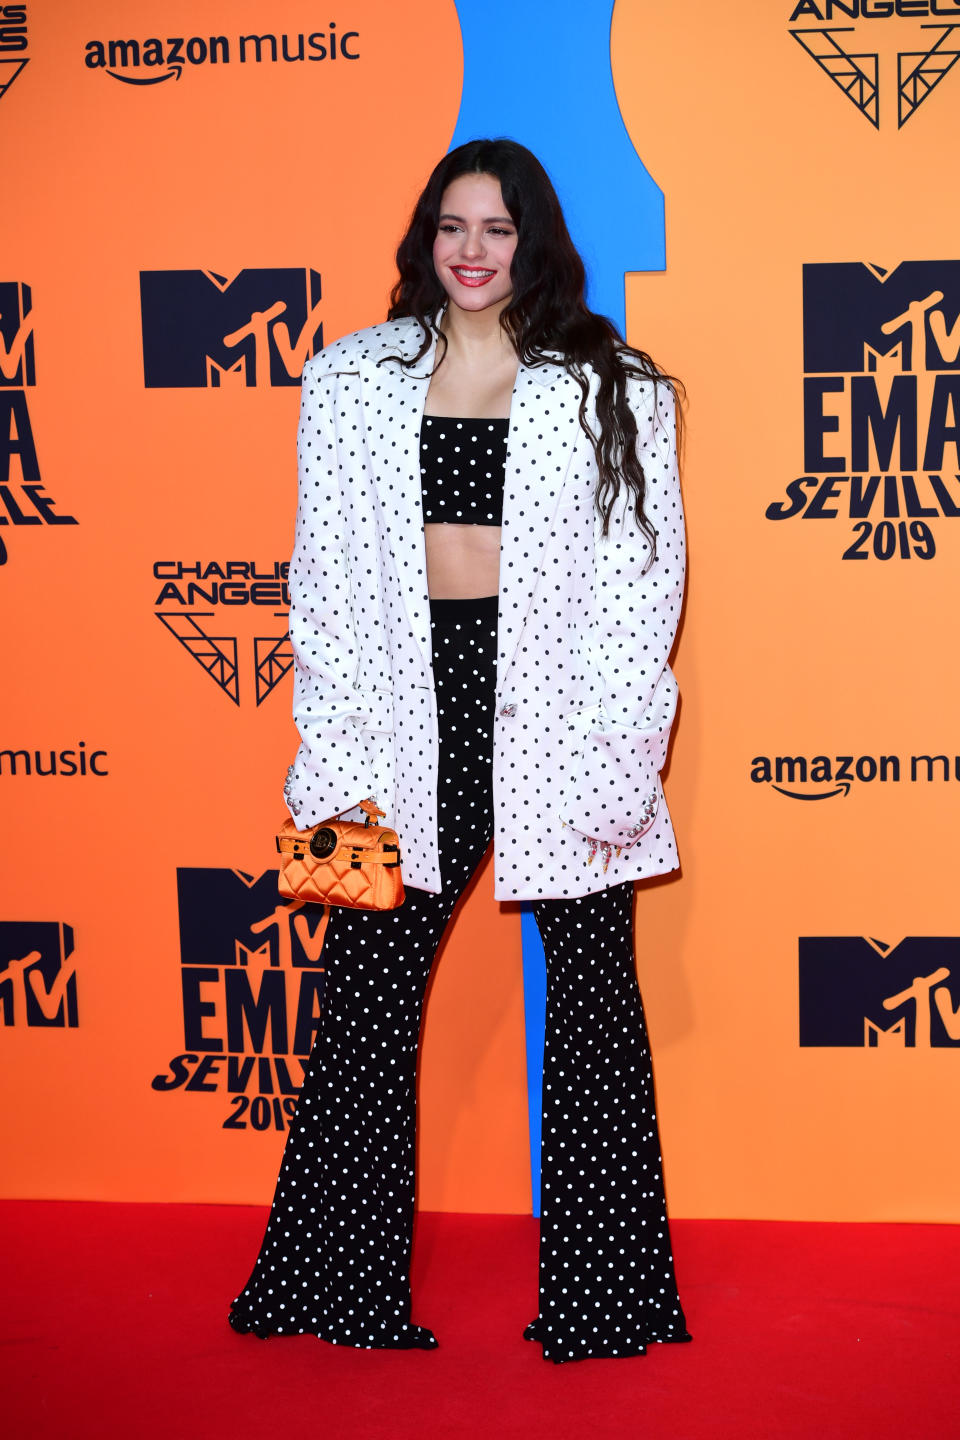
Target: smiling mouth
471,277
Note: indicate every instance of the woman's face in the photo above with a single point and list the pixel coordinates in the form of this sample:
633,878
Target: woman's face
475,244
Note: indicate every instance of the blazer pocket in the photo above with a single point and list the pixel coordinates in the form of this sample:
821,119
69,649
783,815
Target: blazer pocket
614,791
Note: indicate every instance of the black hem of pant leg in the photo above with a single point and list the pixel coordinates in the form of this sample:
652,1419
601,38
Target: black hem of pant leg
247,1327
630,1351
413,1337
419,1338
602,1354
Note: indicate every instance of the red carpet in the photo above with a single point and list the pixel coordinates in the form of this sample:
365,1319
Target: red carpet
113,1323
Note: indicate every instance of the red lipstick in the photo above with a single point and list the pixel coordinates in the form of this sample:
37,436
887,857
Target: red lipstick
472,276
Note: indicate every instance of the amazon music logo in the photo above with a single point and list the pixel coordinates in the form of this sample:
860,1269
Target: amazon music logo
154,59
76,761
23,497
881,393
13,44
231,617
909,57
866,994
38,980
204,330
251,985
827,777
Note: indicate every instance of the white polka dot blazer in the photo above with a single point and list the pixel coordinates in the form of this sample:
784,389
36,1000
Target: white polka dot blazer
585,698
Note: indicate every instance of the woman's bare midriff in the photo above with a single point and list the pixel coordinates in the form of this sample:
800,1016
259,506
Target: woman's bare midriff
463,561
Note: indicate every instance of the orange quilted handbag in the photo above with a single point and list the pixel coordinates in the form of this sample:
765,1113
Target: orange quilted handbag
340,862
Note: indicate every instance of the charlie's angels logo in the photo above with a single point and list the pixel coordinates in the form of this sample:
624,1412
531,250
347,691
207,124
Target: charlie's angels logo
23,499
219,609
881,390
13,44
860,992
253,328
252,984
914,54
38,981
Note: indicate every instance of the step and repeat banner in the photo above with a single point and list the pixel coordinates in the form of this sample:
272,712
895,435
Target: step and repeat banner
197,197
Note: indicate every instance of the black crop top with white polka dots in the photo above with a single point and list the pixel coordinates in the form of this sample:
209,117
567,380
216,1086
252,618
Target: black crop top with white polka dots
462,468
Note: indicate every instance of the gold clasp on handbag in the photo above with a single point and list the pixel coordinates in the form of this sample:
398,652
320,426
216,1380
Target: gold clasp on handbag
323,842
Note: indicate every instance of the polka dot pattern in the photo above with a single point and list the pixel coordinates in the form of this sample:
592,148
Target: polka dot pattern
584,695
335,1259
462,464
607,1283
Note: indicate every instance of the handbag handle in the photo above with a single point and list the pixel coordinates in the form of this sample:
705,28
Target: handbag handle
372,812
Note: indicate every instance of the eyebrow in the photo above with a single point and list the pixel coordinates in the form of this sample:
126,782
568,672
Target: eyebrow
489,220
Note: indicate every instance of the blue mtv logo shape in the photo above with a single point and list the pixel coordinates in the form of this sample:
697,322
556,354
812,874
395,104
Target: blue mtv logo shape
864,993
38,982
202,329
540,73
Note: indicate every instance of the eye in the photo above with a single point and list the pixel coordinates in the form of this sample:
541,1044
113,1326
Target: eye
448,228
500,230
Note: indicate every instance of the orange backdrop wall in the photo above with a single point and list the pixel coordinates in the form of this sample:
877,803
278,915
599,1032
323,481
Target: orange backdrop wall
181,227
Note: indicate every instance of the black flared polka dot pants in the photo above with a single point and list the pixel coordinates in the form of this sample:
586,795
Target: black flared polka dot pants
335,1260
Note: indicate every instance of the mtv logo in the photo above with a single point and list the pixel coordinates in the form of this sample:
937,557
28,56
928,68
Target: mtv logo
230,918
864,993
17,365
251,975
201,329
855,313
38,982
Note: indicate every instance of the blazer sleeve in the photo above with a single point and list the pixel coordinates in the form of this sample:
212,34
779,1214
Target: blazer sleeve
614,792
332,772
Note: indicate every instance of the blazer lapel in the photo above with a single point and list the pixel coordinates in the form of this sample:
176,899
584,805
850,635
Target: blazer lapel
396,397
543,424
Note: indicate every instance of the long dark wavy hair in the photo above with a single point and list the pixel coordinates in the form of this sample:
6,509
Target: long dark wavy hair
547,311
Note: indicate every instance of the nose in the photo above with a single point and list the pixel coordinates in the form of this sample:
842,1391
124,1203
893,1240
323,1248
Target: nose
472,245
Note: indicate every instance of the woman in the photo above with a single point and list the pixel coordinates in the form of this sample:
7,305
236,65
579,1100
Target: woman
485,587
